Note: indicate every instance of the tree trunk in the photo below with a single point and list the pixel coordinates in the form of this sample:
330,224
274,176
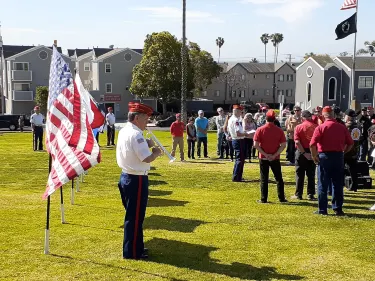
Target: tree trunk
265,53
164,108
277,52
275,59
218,61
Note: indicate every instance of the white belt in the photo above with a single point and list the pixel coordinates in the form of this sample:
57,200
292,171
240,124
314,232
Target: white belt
136,173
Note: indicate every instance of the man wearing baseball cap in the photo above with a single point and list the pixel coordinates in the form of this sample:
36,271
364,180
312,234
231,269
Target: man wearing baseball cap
177,132
110,122
201,124
270,141
304,162
37,120
328,145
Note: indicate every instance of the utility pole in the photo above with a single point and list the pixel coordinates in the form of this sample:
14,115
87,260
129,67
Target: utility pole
289,58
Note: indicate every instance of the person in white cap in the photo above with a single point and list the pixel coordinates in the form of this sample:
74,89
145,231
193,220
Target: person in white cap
201,124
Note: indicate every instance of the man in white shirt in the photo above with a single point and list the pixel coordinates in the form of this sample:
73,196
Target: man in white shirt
134,158
110,120
238,135
37,120
220,120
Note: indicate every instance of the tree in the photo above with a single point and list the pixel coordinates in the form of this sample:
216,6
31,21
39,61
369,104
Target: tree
276,39
41,98
344,54
307,55
204,66
265,39
111,46
254,60
370,49
219,42
324,58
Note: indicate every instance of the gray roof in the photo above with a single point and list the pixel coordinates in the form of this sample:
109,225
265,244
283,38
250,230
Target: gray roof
71,52
139,51
323,60
360,62
81,52
259,67
101,51
11,50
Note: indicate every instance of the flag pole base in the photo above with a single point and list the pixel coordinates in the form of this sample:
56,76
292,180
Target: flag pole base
72,197
77,184
62,214
46,242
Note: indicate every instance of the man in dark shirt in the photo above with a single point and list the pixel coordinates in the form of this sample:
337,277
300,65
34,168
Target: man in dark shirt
364,124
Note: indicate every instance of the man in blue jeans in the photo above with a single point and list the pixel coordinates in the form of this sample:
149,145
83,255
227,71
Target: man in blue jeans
328,145
201,124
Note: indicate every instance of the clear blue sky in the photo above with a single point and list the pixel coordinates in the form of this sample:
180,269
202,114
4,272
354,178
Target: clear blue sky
307,25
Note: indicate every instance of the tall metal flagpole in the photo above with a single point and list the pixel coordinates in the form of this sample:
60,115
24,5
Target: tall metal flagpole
352,88
184,65
46,233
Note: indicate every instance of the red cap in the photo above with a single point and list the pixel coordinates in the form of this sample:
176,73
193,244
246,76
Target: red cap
327,109
370,108
140,108
236,106
373,121
110,108
178,115
37,107
271,113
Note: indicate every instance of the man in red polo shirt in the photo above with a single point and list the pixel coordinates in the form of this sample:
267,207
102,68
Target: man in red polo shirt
177,132
328,145
270,141
304,162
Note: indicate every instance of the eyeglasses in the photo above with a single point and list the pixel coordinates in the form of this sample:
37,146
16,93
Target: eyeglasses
297,110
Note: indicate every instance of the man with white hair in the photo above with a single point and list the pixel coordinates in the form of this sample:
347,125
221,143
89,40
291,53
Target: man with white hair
201,124
220,120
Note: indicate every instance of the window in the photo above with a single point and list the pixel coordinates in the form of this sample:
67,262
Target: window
281,78
242,93
217,93
86,66
204,94
108,68
21,87
280,92
267,92
21,66
267,76
365,97
255,93
9,90
332,88
243,77
289,78
43,55
128,57
365,82
233,94
308,95
289,93
255,77
108,88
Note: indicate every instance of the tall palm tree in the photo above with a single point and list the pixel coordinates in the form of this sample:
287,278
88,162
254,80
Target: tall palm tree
265,39
184,65
276,39
254,60
219,43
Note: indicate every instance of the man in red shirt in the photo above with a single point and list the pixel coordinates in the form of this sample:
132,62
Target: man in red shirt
318,117
270,141
328,145
304,162
177,132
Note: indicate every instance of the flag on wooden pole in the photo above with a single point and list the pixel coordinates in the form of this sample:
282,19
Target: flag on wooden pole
349,4
65,120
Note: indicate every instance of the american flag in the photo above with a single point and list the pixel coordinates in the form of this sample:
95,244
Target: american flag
349,4
69,137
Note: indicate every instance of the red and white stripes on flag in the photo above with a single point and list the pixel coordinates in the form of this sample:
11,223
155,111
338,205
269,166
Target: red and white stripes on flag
349,4
69,136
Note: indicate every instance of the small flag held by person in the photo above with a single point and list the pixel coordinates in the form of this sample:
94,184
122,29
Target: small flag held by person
347,27
66,102
349,4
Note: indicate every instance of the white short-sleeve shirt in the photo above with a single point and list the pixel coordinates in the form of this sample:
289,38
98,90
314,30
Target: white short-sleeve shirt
234,126
37,119
111,119
131,150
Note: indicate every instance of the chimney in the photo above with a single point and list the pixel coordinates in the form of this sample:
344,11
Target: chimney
55,43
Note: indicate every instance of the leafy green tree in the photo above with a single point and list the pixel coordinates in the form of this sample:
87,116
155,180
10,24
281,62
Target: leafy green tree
41,98
370,49
307,55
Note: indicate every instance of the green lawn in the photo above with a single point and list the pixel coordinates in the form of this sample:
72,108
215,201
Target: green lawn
199,225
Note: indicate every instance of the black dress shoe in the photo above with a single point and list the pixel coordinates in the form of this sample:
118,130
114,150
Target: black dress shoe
321,213
339,213
283,201
143,257
145,251
262,202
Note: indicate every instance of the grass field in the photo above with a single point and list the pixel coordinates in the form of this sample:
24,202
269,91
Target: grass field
199,225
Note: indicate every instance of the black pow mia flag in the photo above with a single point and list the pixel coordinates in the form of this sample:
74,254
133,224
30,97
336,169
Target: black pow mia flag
347,27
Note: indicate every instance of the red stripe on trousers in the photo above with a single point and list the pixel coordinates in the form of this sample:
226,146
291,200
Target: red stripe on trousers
137,217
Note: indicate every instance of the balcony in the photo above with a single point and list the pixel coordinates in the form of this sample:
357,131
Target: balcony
22,75
23,96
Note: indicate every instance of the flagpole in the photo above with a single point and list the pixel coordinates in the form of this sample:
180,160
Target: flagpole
46,233
62,205
72,194
351,97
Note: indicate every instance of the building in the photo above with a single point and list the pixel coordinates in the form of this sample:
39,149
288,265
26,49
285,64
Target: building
325,81
25,69
253,82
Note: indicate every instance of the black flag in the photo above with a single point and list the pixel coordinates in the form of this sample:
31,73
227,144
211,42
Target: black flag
347,27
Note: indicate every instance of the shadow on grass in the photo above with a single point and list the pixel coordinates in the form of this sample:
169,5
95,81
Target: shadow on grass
315,204
156,182
160,202
153,192
114,267
196,257
204,162
171,223
269,182
92,227
154,174
360,195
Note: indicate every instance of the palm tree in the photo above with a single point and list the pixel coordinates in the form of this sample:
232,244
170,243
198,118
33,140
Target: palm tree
184,65
254,60
370,49
276,39
219,43
265,39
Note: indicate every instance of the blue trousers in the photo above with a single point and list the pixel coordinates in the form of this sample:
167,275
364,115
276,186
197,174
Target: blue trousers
134,194
239,147
331,171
